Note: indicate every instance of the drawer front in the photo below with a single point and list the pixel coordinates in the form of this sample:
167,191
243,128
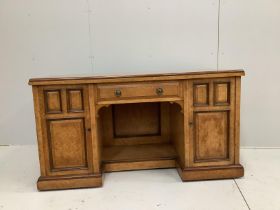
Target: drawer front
136,90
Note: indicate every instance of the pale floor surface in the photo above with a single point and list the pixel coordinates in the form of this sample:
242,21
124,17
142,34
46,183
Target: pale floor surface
143,190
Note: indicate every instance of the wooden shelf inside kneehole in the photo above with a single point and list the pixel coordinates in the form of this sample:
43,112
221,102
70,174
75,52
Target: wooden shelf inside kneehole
146,152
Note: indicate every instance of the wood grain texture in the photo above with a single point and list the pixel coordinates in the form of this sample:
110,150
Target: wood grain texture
138,153
139,165
53,101
142,119
135,78
84,127
237,120
39,129
67,143
221,93
95,131
141,100
208,173
132,90
66,140
137,123
70,182
177,132
212,126
75,100
201,94
211,135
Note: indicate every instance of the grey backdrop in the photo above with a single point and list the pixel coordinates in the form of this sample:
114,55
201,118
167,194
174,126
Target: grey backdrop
60,37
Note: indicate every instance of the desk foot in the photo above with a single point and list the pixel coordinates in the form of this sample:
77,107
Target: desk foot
69,182
207,173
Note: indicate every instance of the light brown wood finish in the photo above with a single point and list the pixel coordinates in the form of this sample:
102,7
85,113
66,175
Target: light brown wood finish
70,182
237,120
39,129
211,172
95,144
177,132
146,121
67,143
139,165
75,100
141,89
212,126
53,101
89,125
138,153
211,136
64,140
135,78
137,123
201,94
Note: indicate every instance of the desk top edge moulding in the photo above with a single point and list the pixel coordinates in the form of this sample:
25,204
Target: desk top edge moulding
90,125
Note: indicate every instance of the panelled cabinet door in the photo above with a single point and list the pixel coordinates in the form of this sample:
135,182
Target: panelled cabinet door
67,139
67,144
212,122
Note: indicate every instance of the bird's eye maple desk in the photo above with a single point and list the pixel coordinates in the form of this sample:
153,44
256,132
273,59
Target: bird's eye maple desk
90,125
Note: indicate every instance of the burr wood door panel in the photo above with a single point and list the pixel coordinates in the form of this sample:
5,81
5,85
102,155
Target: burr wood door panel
67,143
212,107
211,137
66,125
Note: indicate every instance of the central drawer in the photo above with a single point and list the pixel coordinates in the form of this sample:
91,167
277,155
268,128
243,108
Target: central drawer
137,90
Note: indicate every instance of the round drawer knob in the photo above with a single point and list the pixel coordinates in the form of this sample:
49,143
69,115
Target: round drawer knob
118,93
159,91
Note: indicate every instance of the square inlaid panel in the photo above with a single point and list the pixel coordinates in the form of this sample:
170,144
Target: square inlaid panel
75,100
53,101
201,94
222,93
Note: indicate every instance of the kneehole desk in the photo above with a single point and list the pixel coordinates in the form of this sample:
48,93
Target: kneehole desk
90,125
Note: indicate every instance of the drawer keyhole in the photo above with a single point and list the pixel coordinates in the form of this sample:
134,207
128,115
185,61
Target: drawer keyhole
118,93
159,91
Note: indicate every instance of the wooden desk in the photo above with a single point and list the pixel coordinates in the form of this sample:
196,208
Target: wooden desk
90,125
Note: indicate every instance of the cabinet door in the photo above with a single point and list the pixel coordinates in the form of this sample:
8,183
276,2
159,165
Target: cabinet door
212,122
67,131
67,144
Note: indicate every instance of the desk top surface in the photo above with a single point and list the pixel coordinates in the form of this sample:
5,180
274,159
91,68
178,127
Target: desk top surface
133,78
